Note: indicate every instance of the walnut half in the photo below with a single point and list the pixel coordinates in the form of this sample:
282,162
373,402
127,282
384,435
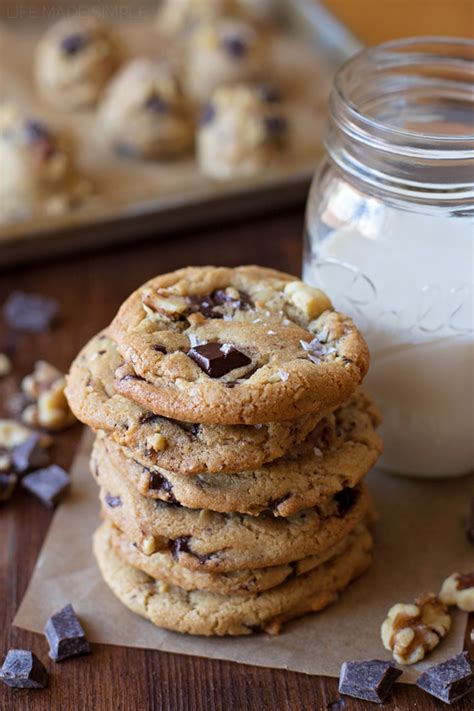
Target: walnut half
412,630
458,590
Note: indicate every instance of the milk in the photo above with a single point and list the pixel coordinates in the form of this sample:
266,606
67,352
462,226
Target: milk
406,279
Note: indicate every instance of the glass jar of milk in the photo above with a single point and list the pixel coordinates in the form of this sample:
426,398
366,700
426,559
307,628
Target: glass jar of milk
390,236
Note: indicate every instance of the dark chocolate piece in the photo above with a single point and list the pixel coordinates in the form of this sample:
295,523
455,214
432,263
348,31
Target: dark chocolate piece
207,114
30,312
156,104
470,523
23,670
275,126
49,485
30,454
211,305
65,635
112,501
159,349
450,680
75,43
235,46
336,705
8,483
217,359
345,499
179,545
465,581
269,93
158,482
371,680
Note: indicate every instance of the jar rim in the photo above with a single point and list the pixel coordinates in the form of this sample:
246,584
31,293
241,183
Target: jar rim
403,57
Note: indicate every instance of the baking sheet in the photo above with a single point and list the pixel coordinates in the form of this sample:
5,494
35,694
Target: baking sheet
135,198
420,541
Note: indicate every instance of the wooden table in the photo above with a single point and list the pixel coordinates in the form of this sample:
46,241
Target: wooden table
90,288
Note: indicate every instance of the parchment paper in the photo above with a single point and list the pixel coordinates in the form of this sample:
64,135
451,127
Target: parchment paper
420,541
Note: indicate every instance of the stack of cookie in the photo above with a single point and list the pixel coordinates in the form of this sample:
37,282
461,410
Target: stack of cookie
232,441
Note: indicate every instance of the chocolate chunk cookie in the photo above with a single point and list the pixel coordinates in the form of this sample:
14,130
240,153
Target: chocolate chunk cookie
169,444
337,454
215,542
206,613
235,346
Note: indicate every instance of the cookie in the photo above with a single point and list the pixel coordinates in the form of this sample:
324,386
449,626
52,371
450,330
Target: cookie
39,170
223,53
74,59
186,449
144,113
162,566
241,132
215,542
176,17
235,346
206,613
337,454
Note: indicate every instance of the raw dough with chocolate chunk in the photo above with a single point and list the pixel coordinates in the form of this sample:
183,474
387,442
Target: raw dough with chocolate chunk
144,113
337,454
207,613
298,355
74,59
241,132
215,542
162,566
39,172
170,444
223,53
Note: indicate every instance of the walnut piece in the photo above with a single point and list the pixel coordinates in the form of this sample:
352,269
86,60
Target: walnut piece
412,630
311,301
164,303
458,590
49,407
156,442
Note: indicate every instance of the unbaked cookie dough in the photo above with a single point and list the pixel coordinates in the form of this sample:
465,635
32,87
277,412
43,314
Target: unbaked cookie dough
144,112
242,131
223,53
39,174
74,60
176,17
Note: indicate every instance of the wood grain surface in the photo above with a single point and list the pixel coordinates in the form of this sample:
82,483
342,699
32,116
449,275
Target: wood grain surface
90,288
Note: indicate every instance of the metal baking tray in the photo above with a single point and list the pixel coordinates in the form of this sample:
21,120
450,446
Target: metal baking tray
183,198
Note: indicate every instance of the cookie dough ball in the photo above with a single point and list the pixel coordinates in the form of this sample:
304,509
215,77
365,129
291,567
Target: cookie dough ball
144,112
74,59
243,130
38,168
180,16
223,53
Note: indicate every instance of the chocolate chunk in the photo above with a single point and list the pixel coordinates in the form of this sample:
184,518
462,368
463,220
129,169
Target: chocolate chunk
217,359
345,500
465,581
156,104
275,126
8,483
269,93
370,680
30,454
75,43
159,349
112,501
149,417
336,705
207,114
49,485
211,305
29,312
23,670
159,482
235,46
65,635
450,680
179,545
470,523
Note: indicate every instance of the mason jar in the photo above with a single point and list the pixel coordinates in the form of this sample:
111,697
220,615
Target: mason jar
390,236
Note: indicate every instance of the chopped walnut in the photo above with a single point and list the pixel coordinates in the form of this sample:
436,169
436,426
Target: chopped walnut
12,435
458,590
49,407
149,545
311,301
165,303
412,630
5,365
156,442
